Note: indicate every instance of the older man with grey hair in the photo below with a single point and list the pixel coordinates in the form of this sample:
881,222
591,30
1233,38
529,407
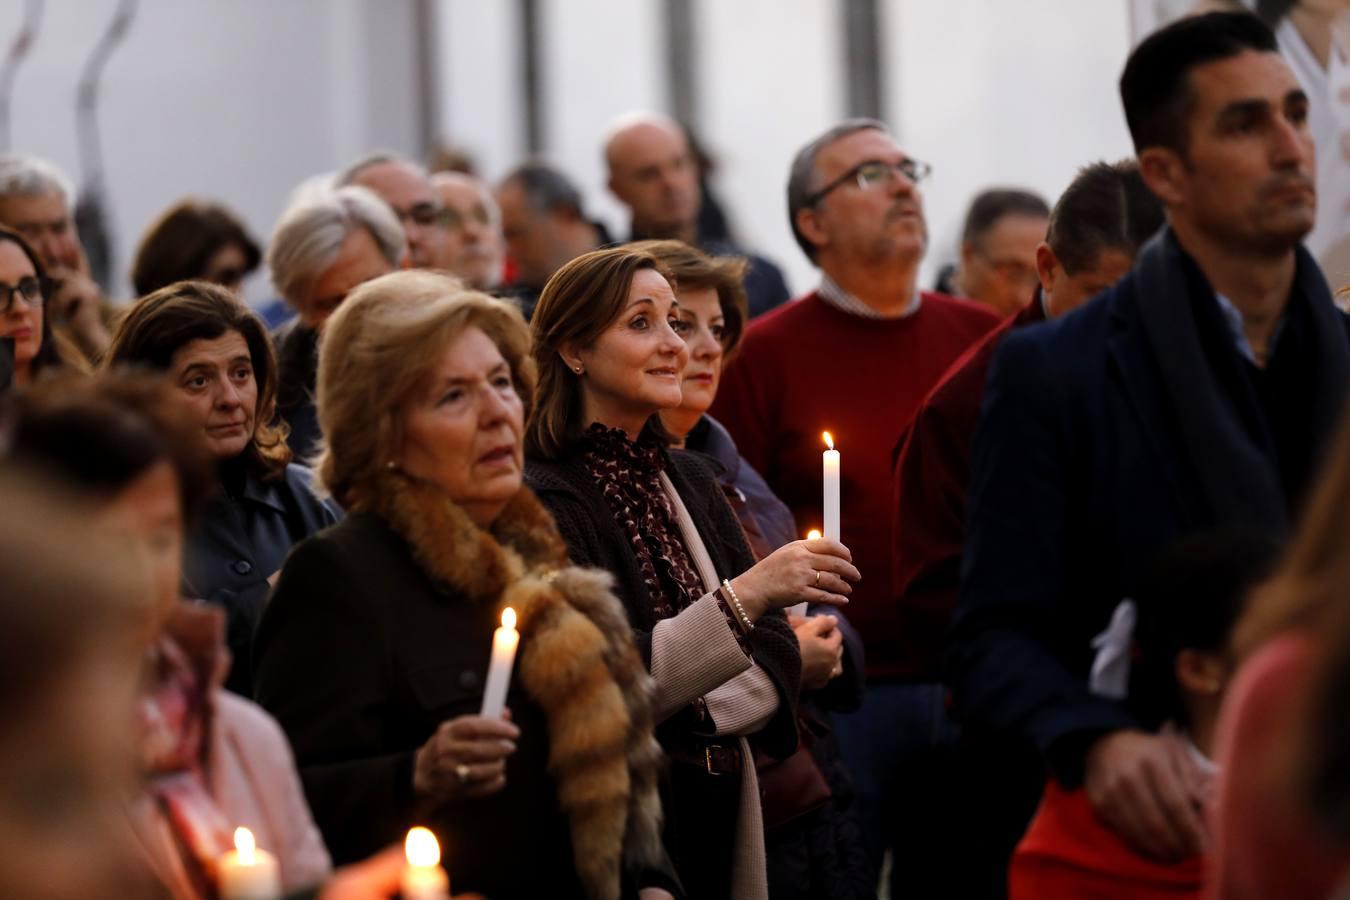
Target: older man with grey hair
37,200
857,356
475,249
327,243
405,186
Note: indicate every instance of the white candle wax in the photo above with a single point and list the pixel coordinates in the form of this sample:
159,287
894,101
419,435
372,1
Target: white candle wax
247,873
504,643
423,879
831,489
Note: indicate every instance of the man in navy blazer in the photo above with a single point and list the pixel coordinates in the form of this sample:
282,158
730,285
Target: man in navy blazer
1198,392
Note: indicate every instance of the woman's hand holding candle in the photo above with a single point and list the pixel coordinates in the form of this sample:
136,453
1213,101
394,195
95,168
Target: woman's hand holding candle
813,571
466,757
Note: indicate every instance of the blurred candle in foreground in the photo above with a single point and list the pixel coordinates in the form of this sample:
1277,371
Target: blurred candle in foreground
423,879
247,873
504,643
831,489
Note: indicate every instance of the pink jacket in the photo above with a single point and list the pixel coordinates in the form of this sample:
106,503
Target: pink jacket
250,775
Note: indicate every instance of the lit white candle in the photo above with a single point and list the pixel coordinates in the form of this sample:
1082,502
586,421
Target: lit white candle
504,643
831,489
247,873
423,879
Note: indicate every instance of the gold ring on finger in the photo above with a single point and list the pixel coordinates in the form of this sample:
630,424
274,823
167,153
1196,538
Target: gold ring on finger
817,578
462,772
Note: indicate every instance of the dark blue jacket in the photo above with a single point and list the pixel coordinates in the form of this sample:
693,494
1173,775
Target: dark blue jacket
1104,437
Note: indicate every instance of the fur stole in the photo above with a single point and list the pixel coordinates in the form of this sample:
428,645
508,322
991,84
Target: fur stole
577,662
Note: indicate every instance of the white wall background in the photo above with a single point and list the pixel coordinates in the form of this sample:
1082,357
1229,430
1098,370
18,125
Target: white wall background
241,99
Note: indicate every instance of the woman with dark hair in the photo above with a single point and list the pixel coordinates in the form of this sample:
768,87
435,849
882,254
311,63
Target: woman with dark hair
194,240
23,319
210,761
706,615
217,355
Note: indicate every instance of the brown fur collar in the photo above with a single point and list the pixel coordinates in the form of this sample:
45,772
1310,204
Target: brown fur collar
577,661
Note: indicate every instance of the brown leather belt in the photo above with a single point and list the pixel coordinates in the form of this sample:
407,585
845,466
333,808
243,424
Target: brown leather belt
713,757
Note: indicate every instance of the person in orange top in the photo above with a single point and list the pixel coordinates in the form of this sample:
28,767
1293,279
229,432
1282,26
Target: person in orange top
1178,656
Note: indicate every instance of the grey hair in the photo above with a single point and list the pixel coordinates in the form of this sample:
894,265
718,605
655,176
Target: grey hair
24,175
309,234
802,176
546,188
378,158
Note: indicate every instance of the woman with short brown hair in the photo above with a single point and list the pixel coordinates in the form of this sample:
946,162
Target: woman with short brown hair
194,240
216,354
706,615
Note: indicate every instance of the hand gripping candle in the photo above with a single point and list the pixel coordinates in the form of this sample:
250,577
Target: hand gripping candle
799,609
247,873
504,643
423,879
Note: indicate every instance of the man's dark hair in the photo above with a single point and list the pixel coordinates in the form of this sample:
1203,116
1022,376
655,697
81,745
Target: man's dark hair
1106,207
546,189
1190,598
1154,87
990,206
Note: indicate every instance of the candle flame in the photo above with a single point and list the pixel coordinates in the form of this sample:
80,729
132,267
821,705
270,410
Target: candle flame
509,618
421,848
246,846
813,535
829,441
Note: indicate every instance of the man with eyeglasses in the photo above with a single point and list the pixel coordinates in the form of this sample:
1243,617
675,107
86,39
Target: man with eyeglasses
38,201
998,249
405,186
855,357
653,172
475,247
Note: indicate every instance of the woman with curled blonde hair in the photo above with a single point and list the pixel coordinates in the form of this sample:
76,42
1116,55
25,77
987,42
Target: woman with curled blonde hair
422,392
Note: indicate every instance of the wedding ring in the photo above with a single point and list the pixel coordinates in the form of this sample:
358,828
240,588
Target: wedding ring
462,772
817,578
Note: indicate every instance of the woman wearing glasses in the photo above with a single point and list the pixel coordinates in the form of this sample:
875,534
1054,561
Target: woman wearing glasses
22,313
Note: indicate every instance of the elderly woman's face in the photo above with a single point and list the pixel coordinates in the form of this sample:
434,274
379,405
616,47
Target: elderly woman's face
216,377
702,326
23,322
462,427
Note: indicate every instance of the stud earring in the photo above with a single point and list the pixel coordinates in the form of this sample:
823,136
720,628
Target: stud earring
577,370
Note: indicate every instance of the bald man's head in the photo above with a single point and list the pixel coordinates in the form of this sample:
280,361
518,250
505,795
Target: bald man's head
652,172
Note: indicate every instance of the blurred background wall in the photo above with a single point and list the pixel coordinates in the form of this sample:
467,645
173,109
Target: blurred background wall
242,99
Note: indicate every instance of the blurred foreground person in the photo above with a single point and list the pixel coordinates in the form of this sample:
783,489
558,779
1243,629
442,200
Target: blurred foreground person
72,606
211,761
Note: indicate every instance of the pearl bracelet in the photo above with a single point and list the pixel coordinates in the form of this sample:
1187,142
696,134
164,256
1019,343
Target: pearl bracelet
736,601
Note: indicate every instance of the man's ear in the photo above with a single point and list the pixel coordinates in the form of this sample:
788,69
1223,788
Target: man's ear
808,223
1165,173
616,188
1048,269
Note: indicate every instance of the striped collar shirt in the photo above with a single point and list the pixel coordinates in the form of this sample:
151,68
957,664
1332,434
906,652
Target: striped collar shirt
842,300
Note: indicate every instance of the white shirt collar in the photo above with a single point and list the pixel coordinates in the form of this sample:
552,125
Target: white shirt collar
842,300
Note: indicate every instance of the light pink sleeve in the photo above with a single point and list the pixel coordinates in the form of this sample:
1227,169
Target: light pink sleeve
693,653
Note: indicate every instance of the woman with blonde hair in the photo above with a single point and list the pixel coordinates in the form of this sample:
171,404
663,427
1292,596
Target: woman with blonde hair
373,651
707,616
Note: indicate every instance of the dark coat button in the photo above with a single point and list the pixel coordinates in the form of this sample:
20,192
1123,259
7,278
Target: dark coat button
242,567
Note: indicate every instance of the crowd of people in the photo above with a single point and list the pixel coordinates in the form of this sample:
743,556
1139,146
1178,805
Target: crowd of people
1076,633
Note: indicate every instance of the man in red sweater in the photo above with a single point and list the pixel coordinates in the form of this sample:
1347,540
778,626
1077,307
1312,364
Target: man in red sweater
855,358
1095,230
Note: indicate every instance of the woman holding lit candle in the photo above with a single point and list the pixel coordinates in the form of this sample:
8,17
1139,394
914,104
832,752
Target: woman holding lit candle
211,761
379,638
725,662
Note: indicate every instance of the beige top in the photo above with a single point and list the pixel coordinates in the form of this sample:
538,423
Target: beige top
695,654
